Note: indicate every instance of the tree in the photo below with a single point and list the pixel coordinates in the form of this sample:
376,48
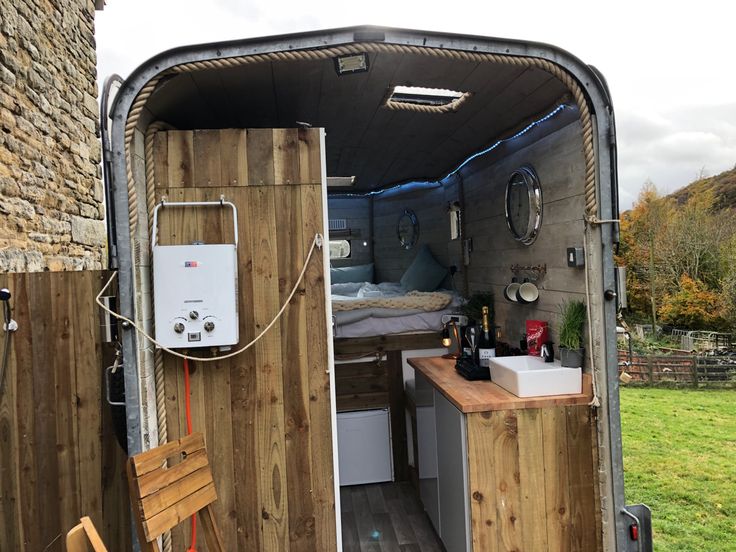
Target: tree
641,232
693,306
691,242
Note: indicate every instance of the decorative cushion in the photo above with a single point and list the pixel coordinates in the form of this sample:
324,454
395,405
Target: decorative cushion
348,274
424,273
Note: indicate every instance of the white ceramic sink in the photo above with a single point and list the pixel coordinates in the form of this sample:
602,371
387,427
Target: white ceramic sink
530,376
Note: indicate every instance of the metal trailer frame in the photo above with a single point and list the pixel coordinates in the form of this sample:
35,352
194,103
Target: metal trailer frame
609,430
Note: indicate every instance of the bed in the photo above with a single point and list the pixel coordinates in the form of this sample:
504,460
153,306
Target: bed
363,309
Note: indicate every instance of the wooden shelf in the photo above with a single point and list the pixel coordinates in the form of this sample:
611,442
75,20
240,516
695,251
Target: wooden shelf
484,396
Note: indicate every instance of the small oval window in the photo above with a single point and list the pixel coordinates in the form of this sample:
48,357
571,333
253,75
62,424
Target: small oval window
339,249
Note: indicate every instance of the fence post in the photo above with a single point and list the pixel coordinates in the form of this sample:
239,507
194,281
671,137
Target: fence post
650,369
695,371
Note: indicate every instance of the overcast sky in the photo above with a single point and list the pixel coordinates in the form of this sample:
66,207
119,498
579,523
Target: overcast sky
670,65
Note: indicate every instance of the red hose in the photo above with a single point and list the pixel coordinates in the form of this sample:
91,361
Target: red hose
188,408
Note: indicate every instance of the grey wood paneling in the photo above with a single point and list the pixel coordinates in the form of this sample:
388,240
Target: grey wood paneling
430,207
558,160
357,212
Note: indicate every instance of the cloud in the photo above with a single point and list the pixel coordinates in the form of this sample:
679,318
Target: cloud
674,102
673,147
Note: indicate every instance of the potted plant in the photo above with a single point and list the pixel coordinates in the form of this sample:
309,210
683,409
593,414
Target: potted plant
572,321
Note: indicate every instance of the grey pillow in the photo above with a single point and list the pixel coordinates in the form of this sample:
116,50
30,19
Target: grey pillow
349,274
424,273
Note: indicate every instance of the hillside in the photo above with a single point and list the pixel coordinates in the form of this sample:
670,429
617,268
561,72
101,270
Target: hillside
722,185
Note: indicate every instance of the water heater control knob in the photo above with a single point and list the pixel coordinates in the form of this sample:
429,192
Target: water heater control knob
209,326
193,315
179,327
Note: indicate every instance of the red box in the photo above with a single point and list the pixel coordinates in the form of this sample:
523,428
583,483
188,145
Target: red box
537,332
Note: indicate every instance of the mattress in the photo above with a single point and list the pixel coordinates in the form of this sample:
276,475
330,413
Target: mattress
374,321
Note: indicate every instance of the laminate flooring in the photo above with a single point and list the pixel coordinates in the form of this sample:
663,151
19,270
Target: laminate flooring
385,517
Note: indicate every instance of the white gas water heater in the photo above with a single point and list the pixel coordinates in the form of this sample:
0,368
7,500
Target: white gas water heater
195,289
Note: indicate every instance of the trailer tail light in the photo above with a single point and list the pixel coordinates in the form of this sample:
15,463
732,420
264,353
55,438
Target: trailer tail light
634,532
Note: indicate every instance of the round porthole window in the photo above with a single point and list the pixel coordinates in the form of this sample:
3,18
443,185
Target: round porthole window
524,205
408,229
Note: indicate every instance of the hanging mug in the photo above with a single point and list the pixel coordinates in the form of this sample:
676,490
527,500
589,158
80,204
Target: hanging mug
509,292
527,292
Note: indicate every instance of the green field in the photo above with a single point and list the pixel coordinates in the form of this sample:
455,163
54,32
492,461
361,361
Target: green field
680,460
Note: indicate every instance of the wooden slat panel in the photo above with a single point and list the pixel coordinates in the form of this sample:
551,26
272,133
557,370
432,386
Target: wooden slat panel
47,484
295,363
207,164
286,156
364,401
167,497
506,468
68,433
482,481
318,362
181,158
233,157
161,160
556,479
269,377
310,158
428,340
260,157
582,480
531,477
178,512
159,479
151,460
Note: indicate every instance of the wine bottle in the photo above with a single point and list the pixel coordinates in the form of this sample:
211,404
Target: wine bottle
486,342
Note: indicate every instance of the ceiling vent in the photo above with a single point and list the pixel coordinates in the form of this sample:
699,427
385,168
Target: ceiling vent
418,98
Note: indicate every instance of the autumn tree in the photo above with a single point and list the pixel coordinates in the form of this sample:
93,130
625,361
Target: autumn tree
691,242
693,306
641,236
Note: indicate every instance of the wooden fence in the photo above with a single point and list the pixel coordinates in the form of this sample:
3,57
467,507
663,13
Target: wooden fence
678,370
58,456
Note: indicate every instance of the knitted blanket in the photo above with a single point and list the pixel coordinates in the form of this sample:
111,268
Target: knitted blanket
416,300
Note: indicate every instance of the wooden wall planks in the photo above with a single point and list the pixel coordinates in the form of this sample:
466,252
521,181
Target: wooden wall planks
58,460
527,466
265,413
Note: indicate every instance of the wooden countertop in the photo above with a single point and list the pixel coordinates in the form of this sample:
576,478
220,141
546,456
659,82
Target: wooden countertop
482,396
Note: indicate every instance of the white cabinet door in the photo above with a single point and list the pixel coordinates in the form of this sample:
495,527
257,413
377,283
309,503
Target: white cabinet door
427,445
452,474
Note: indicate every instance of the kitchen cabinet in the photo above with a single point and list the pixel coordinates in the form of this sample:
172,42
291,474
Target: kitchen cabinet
505,473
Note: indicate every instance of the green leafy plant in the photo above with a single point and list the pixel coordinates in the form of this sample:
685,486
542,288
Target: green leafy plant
571,324
472,308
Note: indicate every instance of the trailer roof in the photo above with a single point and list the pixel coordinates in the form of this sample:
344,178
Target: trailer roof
365,139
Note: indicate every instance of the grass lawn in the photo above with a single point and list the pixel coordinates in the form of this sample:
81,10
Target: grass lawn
680,460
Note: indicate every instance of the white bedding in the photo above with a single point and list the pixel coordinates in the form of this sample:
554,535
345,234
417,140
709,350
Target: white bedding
383,321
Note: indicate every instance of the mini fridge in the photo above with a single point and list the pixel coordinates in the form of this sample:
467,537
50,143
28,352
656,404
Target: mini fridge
364,447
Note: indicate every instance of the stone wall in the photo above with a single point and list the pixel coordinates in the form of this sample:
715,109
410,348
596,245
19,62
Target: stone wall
51,196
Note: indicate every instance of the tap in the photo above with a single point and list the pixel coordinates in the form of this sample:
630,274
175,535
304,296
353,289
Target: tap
547,351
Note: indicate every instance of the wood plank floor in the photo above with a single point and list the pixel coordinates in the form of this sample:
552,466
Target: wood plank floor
385,517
